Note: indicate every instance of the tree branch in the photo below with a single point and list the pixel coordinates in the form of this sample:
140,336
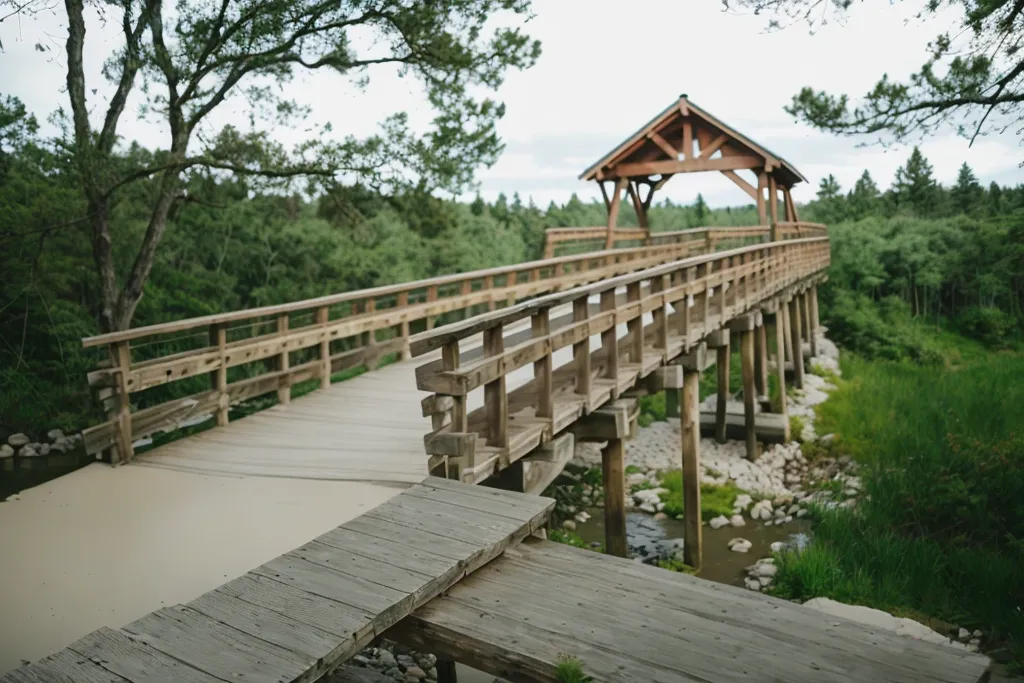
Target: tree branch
130,64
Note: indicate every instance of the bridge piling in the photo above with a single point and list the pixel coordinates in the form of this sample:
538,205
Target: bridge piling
720,341
795,333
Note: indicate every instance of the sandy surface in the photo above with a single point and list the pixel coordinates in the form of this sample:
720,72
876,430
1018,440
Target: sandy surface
103,547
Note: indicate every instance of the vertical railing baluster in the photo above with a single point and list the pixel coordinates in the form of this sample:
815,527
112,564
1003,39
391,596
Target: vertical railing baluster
219,377
495,396
540,324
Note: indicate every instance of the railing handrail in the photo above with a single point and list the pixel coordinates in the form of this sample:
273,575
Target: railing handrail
355,295
431,340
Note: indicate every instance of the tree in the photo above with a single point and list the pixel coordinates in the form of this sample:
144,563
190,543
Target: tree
915,187
700,211
188,61
863,200
967,192
829,207
973,75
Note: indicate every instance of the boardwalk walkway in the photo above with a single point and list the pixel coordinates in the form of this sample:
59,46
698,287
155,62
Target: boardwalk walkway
633,623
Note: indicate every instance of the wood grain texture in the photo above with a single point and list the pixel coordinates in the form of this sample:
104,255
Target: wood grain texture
518,615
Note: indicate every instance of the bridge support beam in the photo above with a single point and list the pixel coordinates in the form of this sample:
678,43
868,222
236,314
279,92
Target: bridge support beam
689,429
761,360
812,318
780,364
795,326
746,326
720,340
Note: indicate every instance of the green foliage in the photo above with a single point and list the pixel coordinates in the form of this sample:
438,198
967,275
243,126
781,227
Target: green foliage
566,537
987,324
674,565
652,409
972,77
941,531
570,670
796,427
714,500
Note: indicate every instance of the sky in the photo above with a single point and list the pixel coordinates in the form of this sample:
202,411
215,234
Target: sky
607,67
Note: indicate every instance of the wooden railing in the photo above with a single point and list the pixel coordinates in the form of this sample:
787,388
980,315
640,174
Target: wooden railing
596,236
217,361
716,288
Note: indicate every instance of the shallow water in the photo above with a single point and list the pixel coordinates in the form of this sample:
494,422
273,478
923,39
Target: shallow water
644,535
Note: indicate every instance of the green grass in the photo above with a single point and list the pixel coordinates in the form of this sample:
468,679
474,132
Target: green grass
570,670
714,500
652,409
676,566
796,427
941,531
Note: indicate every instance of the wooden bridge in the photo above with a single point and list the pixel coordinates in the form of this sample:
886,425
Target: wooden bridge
513,365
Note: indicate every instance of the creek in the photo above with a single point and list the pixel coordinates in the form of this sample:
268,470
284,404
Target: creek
646,537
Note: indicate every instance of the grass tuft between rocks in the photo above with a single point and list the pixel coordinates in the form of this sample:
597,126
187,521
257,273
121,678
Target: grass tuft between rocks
714,500
570,670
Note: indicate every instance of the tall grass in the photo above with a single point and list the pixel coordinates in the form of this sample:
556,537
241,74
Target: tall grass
941,531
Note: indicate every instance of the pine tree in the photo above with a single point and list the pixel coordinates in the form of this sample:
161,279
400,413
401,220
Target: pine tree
915,187
967,192
478,206
700,211
863,200
829,207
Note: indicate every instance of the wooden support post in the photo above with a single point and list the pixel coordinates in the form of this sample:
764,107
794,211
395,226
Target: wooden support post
787,330
495,396
761,360
284,385
612,460
581,351
610,339
689,423
795,333
219,377
805,318
762,185
431,297
613,212
446,671
635,326
749,397
773,198
812,319
780,366
450,361
403,302
322,316
722,362
540,324
121,415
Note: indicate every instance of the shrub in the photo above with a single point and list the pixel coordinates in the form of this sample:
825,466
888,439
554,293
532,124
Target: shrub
990,326
714,500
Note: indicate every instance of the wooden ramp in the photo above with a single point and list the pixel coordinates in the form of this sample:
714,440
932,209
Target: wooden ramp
298,616
634,623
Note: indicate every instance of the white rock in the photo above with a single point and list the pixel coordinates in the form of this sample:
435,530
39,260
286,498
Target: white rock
743,501
6,451
742,546
54,434
737,520
582,517
719,522
777,546
963,634
977,633
44,449
767,570
752,584
27,452
569,525
801,512
787,519
13,497
660,516
16,440
647,507
635,478
880,619
971,647
975,641
765,581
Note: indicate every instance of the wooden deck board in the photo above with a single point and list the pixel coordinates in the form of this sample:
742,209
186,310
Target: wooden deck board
299,615
632,622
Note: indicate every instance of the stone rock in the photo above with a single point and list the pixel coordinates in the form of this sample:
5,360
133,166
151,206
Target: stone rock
582,517
975,641
801,512
740,545
752,584
13,497
765,581
361,660
977,633
387,660
963,634
405,661
766,570
827,438
415,673
17,440
719,522
54,434
647,507
971,647
44,449
6,452
635,478
27,452
660,516
743,501
777,546
737,520
61,446
569,525
879,619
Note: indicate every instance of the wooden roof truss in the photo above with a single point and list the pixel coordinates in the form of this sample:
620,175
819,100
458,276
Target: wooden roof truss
686,139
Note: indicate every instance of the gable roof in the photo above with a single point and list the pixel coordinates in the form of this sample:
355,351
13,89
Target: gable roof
642,146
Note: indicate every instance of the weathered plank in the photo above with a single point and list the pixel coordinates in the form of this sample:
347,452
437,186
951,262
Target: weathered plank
133,659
